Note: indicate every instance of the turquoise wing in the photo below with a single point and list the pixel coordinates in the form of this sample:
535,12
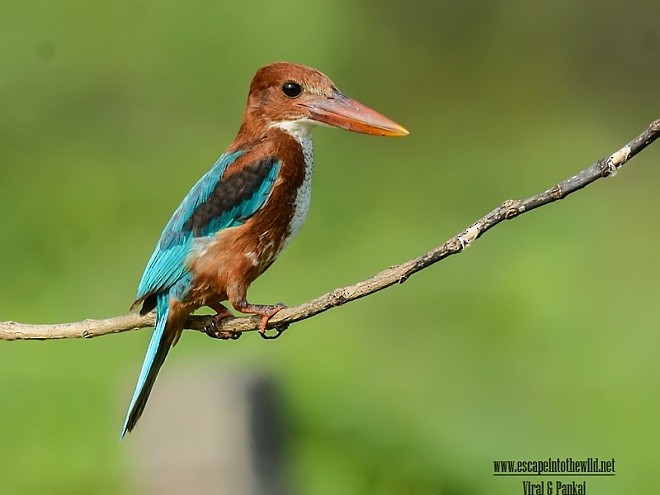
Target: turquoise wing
219,200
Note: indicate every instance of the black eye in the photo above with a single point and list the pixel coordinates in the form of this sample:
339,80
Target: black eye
291,89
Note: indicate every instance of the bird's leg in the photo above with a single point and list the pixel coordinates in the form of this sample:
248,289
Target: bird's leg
211,328
237,295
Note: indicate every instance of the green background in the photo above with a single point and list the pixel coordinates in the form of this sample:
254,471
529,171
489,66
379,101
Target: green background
540,341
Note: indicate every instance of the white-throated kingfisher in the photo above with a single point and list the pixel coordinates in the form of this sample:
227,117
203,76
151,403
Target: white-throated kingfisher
241,214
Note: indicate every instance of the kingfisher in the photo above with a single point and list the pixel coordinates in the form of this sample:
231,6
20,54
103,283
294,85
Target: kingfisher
239,216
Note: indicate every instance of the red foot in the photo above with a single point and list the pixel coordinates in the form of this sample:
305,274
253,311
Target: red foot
267,311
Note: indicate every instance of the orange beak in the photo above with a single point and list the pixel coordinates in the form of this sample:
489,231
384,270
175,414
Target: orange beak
341,111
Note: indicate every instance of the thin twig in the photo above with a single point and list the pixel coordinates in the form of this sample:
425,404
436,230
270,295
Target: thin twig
396,274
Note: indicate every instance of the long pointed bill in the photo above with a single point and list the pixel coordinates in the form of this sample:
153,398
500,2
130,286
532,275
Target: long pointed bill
342,111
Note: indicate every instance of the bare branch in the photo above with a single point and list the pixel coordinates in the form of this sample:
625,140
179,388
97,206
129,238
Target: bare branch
396,274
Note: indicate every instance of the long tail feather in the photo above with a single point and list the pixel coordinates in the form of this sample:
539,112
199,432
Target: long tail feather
159,346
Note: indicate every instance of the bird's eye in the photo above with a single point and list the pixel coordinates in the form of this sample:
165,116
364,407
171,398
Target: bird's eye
291,89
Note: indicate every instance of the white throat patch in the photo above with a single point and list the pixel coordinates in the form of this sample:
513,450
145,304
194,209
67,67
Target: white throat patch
300,130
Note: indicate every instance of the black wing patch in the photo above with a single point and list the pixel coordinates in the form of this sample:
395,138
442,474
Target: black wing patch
234,199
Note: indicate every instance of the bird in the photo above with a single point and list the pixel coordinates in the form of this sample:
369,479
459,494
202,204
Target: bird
241,214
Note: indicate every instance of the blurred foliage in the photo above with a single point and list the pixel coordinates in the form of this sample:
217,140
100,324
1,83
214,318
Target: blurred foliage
540,341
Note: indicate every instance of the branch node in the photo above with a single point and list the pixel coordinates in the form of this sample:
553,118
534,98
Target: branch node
512,208
556,192
466,237
339,297
611,165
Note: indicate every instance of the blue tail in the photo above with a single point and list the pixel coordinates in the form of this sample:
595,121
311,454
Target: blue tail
159,346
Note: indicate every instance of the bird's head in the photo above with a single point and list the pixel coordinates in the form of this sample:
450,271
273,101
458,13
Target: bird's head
296,98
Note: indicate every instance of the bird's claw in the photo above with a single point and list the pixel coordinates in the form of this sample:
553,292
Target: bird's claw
266,316
266,312
278,331
211,329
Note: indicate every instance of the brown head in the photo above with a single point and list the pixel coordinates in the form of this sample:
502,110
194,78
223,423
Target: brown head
296,98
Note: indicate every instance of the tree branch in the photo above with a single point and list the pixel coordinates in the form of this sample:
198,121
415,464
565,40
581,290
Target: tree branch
396,274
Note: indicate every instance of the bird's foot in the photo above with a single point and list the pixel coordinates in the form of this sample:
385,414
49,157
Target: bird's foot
211,328
266,311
